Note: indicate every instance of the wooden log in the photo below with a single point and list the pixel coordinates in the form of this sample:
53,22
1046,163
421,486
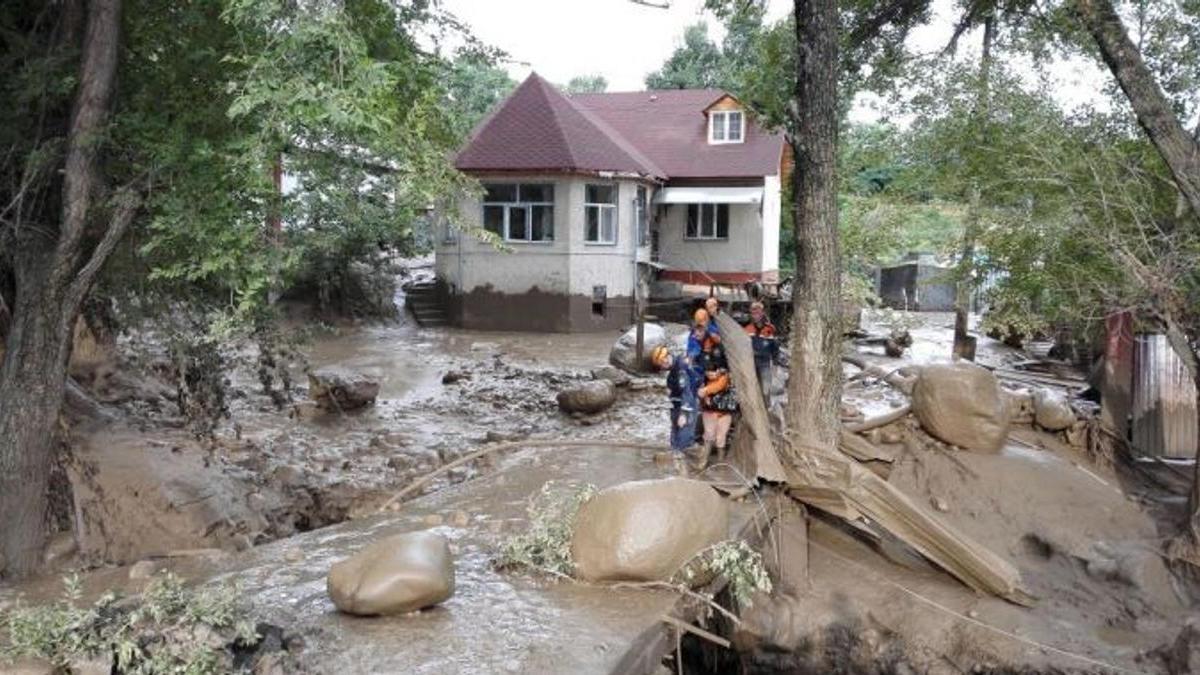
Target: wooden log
753,450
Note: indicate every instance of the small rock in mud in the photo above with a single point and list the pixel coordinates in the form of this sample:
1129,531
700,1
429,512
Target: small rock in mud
30,666
339,388
1051,410
396,575
588,397
502,437
613,374
293,555
460,519
143,569
454,376
434,520
941,504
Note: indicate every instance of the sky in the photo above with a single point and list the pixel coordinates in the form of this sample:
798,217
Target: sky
623,41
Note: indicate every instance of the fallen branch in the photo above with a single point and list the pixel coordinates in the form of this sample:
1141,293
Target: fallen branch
695,630
528,443
680,589
879,421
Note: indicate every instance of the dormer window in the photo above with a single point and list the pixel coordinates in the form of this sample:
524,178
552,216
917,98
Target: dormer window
726,126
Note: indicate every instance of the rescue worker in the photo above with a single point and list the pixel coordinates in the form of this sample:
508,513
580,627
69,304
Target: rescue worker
700,333
766,347
682,382
717,402
713,307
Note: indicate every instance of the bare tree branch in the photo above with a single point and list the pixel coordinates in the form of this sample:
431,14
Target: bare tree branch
127,202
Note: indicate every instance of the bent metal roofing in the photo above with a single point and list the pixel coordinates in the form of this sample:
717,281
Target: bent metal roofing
659,134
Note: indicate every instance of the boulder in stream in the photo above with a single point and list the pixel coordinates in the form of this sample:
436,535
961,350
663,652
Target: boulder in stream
961,404
588,398
341,388
624,351
646,530
399,574
1051,410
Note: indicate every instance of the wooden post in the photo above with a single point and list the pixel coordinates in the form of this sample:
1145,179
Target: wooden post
639,349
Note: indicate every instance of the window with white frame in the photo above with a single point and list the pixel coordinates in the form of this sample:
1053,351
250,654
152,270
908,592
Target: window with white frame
726,126
519,211
707,221
600,214
641,217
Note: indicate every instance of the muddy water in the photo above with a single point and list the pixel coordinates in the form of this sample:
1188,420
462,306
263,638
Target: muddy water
496,622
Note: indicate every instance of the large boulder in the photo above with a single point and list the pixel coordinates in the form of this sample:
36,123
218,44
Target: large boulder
646,530
1051,410
400,574
961,404
588,398
341,388
624,351
612,374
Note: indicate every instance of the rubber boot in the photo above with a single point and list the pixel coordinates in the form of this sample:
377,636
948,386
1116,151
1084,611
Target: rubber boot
721,453
701,462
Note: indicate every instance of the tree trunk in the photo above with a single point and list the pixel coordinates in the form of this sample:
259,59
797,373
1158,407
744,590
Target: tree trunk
964,343
32,380
1154,113
815,383
51,279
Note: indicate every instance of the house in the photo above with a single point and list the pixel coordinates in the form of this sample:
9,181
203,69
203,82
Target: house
594,196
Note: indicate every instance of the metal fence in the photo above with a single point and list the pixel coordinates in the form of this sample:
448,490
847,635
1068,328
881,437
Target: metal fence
1165,420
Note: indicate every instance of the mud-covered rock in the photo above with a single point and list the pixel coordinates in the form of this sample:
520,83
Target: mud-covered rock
961,404
624,352
399,574
588,398
613,374
341,388
646,530
1051,410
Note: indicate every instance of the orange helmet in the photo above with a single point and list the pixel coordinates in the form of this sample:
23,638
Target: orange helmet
700,318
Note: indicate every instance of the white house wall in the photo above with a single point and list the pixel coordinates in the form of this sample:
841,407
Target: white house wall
548,284
771,214
741,252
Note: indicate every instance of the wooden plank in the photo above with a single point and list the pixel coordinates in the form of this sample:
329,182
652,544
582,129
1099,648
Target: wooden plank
753,450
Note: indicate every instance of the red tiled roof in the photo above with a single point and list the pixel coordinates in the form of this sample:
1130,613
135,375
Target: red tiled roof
537,128
670,127
663,134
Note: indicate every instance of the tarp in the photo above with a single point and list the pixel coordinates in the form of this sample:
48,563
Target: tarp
709,195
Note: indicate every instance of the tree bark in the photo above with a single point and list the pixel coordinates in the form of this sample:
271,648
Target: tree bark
964,343
51,280
815,383
1154,113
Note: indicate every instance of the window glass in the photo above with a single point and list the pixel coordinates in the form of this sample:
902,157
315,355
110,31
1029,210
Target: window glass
541,223
518,223
537,192
592,226
601,194
500,192
707,226
608,223
493,219
718,126
693,219
707,221
734,120
722,221
641,217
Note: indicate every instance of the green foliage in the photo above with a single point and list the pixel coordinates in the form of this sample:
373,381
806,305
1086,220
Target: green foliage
741,566
696,64
586,84
545,545
474,86
169,629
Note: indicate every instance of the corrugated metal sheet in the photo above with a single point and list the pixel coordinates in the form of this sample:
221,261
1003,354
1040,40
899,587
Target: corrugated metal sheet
1164,401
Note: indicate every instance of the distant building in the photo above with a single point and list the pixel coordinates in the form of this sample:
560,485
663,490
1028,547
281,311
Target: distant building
594,196
917,283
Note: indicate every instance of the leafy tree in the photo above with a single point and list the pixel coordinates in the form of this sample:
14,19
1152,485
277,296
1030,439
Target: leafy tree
172,119
586,84
696,64
474,87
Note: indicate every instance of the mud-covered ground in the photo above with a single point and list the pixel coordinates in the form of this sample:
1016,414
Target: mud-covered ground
1087,536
